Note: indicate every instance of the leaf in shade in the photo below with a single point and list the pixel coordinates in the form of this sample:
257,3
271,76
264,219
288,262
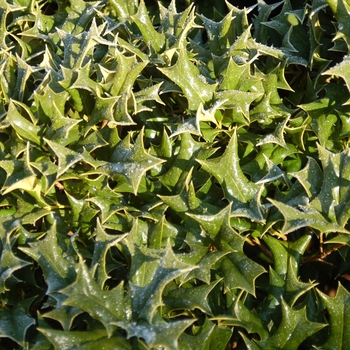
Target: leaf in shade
339,313
186,75
9,263
208,337
103,305
103,242
130,162
241,316
61,313
58,272
14,324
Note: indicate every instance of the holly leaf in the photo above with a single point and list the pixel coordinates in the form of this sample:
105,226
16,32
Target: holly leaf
9,263
86,340
292,331
220,34
326,112
189,298
130,162
147,298
304,216
154,40
103,243
158,334
103,305
341,11
241,316
209,336
58,271
237,269
226,169
186,75
24,128
14,324
334,195
338,309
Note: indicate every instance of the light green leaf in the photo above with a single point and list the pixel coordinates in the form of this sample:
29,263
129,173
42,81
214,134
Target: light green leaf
311,178
341,10
326,112
332,200
25,129
304,216
186,75
154,40
220,34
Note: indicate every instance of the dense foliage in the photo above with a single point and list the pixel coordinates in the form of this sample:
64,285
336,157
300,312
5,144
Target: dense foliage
174,176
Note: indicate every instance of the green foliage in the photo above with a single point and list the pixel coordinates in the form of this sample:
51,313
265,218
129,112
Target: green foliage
173,176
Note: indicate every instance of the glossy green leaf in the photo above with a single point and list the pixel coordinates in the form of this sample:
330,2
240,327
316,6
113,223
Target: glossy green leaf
293,330
14,324
24,128
9,263
86,340
58,271
226,169
186,75
147,298
189,298
337,308
153,39
157,334
131,162
103,305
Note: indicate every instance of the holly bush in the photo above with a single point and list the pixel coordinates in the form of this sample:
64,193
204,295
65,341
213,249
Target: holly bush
174,175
